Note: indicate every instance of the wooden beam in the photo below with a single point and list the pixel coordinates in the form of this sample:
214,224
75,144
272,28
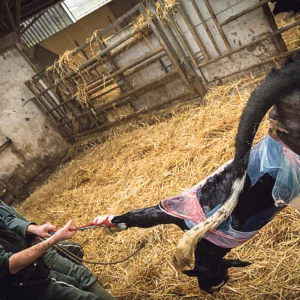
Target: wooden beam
36,7
9,17
31,23
18,14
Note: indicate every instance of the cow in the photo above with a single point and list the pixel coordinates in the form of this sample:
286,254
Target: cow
284,9
227,208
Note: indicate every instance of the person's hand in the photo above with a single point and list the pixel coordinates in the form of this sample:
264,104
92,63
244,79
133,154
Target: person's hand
41,230
64,233
104,220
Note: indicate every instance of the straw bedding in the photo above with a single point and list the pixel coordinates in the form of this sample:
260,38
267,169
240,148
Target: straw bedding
156,156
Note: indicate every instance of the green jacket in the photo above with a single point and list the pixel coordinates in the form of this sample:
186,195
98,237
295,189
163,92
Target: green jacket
31,281
17,225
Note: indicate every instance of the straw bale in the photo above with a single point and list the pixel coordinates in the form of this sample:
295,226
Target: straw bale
291,37
156,156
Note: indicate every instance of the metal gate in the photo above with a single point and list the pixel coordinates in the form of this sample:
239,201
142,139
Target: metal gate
171,52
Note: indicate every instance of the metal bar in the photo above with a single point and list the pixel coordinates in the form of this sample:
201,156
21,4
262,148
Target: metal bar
130,116
171,37
167,49
118,101
43,107
108,28
232,52
192,30
101,86
277,39
114,65
85,55
134,63
263,37
269,60
145,87
128,71
180,37
199,14
220,29
145,64
186,46
100,54
107,91
58,115
244,12
110,20
102,32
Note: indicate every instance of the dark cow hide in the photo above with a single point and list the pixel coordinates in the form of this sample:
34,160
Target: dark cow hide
230,195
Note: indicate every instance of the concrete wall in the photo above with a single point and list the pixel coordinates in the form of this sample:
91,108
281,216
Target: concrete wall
239,32
120,7
158,95
36,148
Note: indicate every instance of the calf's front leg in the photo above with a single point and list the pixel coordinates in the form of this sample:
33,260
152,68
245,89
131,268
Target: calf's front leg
143,218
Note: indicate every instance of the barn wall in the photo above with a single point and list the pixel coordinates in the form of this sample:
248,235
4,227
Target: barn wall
238,33
79,31
36,148
120,7
168,56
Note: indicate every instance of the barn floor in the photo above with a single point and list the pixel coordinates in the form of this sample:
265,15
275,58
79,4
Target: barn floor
139,163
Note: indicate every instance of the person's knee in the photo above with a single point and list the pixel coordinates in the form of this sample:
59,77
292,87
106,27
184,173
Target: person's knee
72,247
98,290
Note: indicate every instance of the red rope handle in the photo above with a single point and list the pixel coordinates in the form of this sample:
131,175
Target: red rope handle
84,226
105,223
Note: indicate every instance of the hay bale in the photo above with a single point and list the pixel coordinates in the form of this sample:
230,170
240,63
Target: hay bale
141,163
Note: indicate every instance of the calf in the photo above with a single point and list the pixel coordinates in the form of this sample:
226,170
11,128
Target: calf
227,208
289,6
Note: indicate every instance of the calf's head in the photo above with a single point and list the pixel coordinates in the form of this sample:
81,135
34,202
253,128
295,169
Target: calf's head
210,268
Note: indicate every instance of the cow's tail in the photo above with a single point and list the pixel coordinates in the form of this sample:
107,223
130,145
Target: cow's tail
277,84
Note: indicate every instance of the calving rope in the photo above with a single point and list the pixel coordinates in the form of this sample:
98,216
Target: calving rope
60,249
84,227
79,260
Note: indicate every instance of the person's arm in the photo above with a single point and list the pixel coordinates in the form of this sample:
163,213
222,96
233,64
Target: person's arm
23,259
16,225
25,228
40,230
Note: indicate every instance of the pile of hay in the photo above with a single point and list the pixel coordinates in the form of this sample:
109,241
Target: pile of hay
291,37
142,162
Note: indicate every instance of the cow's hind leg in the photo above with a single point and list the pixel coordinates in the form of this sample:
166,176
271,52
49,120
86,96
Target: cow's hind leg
185,247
